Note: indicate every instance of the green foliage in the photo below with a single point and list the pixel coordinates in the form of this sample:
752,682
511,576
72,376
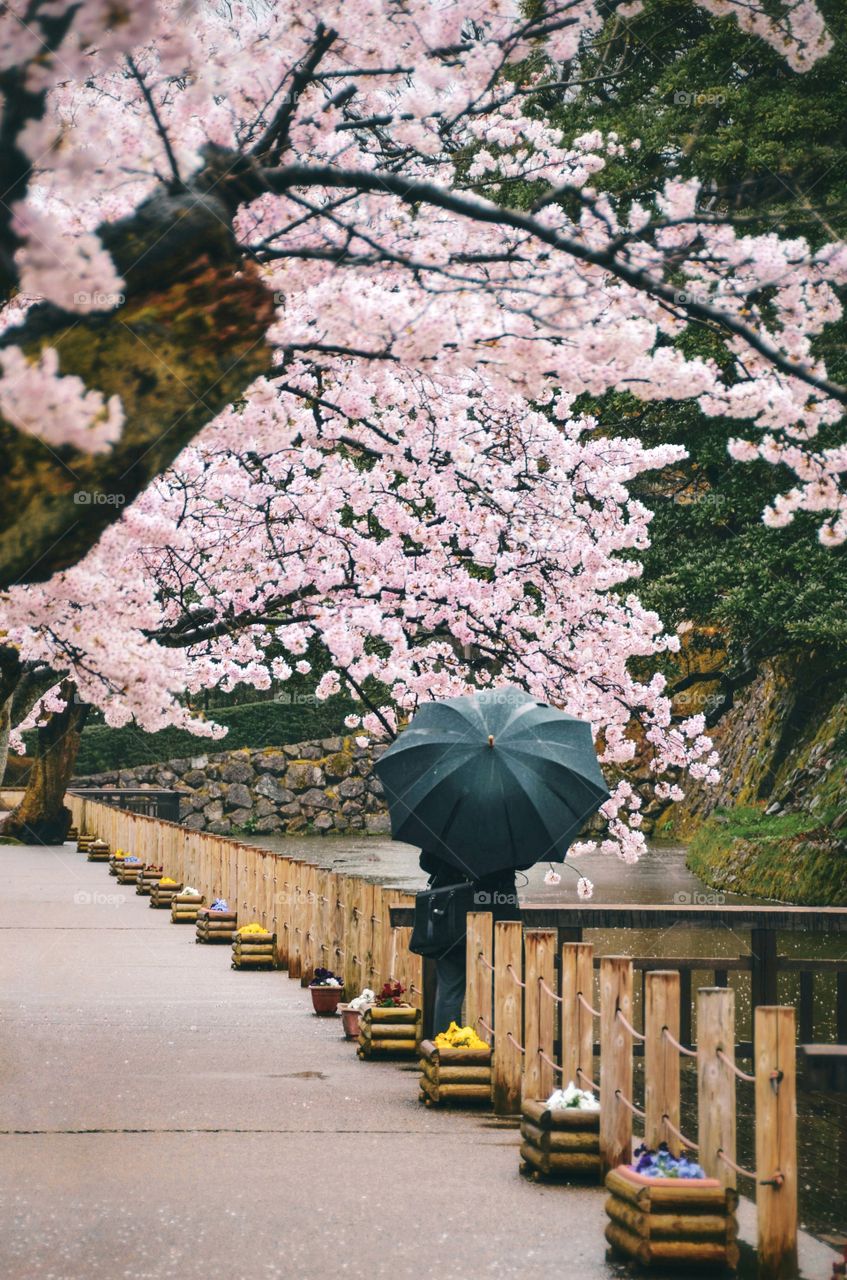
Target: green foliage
705,100
254,725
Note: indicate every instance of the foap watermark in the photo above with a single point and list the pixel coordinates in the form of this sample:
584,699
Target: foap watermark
495,898
85,898
717,501
97,498
698,898
692,297
98,301
706,98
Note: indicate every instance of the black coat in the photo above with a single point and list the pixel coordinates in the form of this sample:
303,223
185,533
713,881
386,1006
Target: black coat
500,886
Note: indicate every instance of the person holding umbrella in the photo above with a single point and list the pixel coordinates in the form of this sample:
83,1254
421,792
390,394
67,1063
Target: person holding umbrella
485,785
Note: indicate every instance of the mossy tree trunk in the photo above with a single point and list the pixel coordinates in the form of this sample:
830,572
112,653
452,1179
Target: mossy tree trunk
42,817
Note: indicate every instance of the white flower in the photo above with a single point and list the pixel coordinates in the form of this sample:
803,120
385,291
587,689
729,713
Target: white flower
552,877
573,1098
584,888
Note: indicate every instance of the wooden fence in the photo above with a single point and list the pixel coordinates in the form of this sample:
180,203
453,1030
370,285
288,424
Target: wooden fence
321,918
515,1002
540,1016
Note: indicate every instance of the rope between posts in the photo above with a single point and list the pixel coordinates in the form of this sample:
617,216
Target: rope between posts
680,1048
582,1000
416,990
551,1063
630,1028
481,1021
636,1111
551,994
510,970
736,1071
487,963
587,1079
509,1036
686,1142
745,1173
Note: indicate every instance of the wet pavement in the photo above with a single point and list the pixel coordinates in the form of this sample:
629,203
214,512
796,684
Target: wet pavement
162,1115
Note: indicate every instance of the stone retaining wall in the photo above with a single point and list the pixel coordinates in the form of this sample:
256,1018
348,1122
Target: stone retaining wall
324,786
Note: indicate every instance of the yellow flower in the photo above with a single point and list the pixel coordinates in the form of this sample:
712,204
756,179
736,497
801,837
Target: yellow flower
167,880
255,927
456,1037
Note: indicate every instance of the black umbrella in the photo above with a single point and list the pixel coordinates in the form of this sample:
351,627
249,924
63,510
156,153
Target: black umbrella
492,781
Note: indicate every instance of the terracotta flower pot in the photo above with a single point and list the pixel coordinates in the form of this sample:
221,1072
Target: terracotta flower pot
326,999
350,1019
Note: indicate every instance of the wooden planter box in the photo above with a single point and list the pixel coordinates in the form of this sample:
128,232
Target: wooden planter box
98,851
184,907
254,951
149,877
216,926
162,895
84,842
390,1033
663,1222
115,863
454,1077
128,873
73,834
559,1145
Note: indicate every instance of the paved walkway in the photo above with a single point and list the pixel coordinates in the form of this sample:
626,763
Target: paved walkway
164,1116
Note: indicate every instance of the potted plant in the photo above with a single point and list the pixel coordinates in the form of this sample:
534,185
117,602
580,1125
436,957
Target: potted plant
391,996
560,1138
327,990
351,1014
390,1027
663,1210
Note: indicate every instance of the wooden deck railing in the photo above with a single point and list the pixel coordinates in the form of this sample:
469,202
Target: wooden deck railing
543,1035
321,918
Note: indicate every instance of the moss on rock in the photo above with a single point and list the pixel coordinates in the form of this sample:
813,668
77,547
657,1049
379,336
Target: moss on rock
791,857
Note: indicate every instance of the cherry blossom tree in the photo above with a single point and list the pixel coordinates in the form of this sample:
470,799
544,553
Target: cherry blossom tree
339,245
423,549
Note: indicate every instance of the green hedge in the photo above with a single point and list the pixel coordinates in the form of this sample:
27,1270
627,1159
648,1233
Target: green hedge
253,725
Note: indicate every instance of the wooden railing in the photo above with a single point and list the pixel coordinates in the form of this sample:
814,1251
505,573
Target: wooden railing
321,918
540,1018
543,1034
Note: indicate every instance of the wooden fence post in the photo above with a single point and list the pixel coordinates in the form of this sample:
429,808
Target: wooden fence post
310,924
507,1063
716,1082
298,911
379,921
540,1011
577,1024
661,1058
323,930
282,909
776,1142
480,960
351,910
615,1061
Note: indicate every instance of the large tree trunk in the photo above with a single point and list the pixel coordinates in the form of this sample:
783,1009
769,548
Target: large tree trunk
186,342
16,702
41,817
